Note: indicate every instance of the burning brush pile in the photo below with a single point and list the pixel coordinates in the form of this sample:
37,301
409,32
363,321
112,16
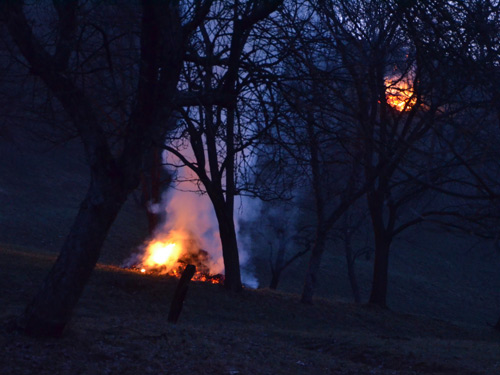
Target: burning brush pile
187,235
170,254
400,94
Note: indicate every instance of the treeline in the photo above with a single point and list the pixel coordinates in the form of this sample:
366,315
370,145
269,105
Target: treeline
387,109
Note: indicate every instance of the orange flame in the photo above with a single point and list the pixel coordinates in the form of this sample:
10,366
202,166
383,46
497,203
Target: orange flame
400,94
169,255
163,253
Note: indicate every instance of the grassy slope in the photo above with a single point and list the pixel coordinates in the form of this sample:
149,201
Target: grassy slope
433,274
120,325
41,187
120,328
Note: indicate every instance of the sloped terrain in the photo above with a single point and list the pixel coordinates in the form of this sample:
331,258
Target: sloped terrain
120,327
431,273
41,188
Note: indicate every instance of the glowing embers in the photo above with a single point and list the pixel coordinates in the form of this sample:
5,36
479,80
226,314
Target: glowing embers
169,255
399,94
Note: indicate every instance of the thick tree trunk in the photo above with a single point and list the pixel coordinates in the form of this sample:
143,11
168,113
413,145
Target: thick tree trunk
162,47
378,294
232,276
227,232
312,272
50,310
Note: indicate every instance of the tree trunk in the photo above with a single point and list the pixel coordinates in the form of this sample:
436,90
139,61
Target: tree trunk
50,310
497,326
378,294
232,275
275,278
351,272
312,272
227,233
113,177
350,260
278,264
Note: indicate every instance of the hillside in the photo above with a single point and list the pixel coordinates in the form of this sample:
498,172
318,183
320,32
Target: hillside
41,188
434,274
120,328
431,273
120,325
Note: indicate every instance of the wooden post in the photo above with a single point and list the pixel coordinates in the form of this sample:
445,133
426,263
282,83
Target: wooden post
180,293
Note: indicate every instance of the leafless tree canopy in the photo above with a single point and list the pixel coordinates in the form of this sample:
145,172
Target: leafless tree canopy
381,114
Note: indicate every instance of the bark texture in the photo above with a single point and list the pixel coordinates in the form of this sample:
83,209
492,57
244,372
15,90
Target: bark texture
51,308
114,174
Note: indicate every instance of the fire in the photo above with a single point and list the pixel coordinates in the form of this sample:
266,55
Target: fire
400,94
162,254
188,234
169,254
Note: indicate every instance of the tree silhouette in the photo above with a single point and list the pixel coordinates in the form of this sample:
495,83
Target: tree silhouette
79,64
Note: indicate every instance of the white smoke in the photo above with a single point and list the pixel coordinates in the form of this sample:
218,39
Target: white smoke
193,213
247,210
189,210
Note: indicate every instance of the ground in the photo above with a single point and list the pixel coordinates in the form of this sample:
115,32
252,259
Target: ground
120,327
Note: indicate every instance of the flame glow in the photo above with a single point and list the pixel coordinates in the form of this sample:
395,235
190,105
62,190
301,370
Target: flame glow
162,253
188,235
400,94
168,254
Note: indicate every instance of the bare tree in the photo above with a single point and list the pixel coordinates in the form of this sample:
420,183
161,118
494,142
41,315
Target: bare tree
395,99
363,94
223,59
309,133
353,223
463,41
76,61
281,232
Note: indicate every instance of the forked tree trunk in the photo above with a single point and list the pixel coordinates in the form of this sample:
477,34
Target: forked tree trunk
312,272
378,295
318,248
50,310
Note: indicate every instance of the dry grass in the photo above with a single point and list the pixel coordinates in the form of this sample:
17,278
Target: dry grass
120,327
